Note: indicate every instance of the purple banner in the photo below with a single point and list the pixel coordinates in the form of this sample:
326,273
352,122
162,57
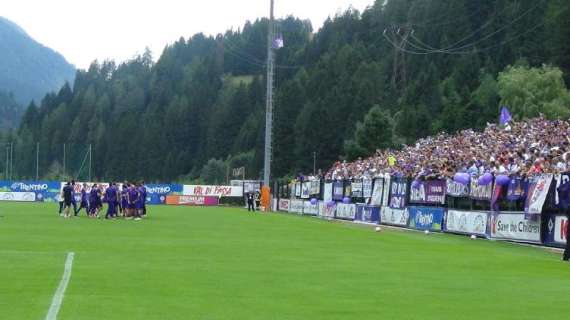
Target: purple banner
398,193
517,189
338,190
428,192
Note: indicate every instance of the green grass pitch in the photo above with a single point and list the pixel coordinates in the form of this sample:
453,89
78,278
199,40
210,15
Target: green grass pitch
225,263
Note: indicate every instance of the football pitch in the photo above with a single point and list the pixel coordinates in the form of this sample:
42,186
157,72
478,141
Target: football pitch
226,263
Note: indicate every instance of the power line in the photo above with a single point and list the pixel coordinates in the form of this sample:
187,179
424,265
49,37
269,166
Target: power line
426,49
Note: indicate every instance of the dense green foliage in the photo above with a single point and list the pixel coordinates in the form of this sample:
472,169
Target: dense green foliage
225,263
28,69
204,97
10,111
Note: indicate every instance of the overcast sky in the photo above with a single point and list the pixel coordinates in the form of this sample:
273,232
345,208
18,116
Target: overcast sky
85,30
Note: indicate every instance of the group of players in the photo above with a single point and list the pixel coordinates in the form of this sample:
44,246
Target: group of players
129,201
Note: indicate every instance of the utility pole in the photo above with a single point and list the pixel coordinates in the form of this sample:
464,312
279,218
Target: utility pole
90,162
37,160
11,159
314,163
269,97
7,162
64,162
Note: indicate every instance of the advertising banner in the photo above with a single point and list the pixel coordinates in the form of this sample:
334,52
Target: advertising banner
398,193
397,217
315,187
283,205
18,196
377,192
458,190
429,192
327,209
538,187
306,190
345,211
213,191
478,192
367,214
296,206
467,222
328,192
47,191
338,190
178,200
247,186
367,188
156,193
556,230
514,226
310,209
516,190
426,218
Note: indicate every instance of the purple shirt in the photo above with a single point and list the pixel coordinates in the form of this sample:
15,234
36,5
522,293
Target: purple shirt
111,194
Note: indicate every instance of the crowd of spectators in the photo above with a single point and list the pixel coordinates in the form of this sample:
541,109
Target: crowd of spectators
522,148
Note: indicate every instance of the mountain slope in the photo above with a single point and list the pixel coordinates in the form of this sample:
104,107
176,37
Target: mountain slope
28,69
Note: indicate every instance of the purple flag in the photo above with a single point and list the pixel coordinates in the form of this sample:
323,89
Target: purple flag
278,42
505,116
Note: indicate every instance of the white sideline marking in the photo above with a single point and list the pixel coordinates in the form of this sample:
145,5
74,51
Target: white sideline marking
58,296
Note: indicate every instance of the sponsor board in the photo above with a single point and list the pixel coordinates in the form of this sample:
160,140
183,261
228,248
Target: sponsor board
458,190
47,191
212,191
391,216
556,230
296,206
283,204
192,200
368,214
156,193
327,209
467,222
310,209
429,192
426,218
345,211
18,196
514,226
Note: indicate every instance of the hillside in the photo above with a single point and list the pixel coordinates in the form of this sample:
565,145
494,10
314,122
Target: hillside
28,69
167,120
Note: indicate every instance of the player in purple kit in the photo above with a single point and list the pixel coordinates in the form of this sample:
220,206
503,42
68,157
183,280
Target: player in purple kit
143,195
112,197
133,198
124,200
93,194
84,200
139,205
